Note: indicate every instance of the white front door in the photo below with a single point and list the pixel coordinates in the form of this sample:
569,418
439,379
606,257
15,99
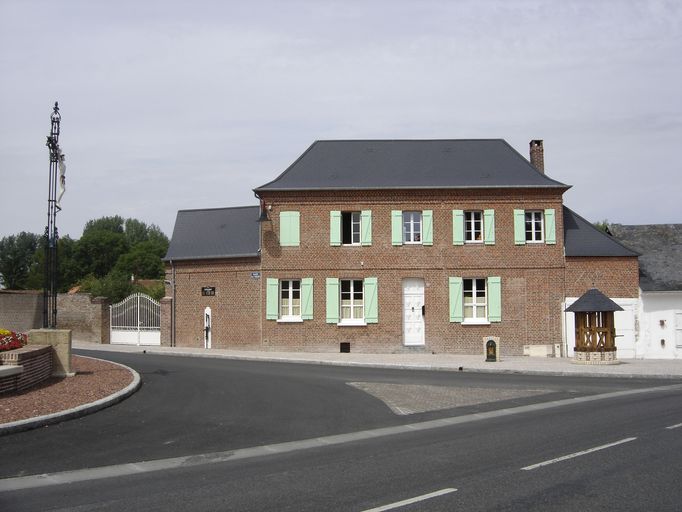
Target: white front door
207,327
413,311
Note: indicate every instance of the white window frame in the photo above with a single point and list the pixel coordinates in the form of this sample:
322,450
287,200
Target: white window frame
410,234
471,234
355,219
289,316
353,319
475,303
533,218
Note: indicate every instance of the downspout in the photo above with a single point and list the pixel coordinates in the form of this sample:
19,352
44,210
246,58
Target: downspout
173,308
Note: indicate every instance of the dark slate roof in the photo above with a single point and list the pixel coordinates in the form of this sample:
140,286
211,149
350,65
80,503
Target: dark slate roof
593,300
581,238
215,233
660,246
410,164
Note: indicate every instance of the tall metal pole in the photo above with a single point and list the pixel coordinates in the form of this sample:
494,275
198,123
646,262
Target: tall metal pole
51,233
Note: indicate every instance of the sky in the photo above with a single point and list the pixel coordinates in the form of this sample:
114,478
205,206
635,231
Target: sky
170,105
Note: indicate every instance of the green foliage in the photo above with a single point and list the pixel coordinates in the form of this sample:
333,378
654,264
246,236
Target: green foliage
115,285
111,250
143,261
113,224
98,251
68,270
602,226
16,257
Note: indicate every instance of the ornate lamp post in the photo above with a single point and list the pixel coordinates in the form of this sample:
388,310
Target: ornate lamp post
57,175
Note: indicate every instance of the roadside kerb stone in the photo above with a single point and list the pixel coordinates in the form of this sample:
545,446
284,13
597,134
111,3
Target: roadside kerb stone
76,412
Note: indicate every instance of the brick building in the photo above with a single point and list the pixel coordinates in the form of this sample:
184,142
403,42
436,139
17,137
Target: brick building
391,245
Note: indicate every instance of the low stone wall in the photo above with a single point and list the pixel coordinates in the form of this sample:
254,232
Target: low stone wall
21,311
85,316
36,364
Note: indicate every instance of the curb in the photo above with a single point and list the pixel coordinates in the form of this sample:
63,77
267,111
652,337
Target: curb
76,412
403,365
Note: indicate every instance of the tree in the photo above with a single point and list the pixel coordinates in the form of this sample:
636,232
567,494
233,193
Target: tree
113,224
16,258
98,251
143,261
68,269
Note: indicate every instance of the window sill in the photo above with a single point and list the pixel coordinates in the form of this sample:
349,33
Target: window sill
351,323
475,322
290,320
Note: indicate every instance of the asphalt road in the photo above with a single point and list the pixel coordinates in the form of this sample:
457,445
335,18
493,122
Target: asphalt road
621,451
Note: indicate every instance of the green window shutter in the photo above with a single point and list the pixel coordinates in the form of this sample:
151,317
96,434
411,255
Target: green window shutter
289,229
489,225
335,228
494,299
272,299
307,298
456,309
332,300
397,227
371,300
366,227
457,227
519,227
427,227
550,226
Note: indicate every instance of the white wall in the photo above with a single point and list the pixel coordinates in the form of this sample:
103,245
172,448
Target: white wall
661,325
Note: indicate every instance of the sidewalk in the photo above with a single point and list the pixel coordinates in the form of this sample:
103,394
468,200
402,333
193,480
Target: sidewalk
628,368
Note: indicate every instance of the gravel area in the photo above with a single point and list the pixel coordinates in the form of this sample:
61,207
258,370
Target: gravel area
94,379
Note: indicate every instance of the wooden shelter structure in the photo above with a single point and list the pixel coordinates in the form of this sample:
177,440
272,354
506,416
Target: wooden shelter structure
595,332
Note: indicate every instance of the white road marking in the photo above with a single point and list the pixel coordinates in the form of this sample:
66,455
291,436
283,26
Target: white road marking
578,454
674,426
89,474
410,501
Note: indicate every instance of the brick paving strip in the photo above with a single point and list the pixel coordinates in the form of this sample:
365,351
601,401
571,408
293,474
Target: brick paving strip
95,379
405,399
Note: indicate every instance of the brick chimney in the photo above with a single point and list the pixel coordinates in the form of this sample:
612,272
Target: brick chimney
537,155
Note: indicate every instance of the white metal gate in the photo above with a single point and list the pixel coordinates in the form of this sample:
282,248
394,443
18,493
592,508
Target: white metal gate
136,320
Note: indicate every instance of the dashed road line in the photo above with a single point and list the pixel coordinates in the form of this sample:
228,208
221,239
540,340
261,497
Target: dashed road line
671,427
578,454
410,501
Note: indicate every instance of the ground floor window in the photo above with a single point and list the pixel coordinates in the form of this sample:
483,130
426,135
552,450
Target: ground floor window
475,301
352,300
290,299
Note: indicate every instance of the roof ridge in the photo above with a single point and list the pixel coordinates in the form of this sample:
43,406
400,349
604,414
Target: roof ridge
217,208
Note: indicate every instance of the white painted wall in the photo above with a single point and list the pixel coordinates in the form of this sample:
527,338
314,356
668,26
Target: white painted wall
661,325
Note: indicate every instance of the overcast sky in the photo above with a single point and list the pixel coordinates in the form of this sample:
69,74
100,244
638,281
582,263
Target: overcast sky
174,104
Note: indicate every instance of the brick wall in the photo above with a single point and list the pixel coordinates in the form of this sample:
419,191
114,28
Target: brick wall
235,307
615,277
532,274
85,316
535,278
21,311
36,361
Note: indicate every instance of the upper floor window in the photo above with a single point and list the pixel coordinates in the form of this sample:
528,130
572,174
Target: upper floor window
289,229
350,228
535,226
473,226
412,227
